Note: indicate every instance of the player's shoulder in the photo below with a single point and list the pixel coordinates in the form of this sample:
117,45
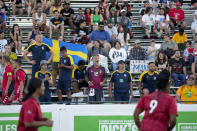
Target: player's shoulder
115,72
144,73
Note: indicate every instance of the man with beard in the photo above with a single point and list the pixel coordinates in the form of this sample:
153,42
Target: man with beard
96,77
148,79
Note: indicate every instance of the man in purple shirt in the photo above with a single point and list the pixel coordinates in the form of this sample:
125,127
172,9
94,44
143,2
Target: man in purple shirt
96,77
101,35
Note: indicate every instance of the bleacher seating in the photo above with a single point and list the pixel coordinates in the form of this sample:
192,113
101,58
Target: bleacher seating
25,24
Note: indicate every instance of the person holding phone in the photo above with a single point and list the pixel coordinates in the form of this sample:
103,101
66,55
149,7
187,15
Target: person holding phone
30,118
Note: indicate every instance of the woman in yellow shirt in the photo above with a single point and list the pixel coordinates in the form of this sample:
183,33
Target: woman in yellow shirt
188,92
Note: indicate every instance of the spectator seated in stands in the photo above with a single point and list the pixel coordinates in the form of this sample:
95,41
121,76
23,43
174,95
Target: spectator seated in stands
137,52
188,54
32,34
194,26
168,47
177,69
16,36
124,37
46,5
96,17
78,17
56,6
123,19
121,80
3,19
116,54
79,73
31,5
114,7
180,38
162,20
142,11
112,16
88,14
17,7
187,92
46,76
9,53
161,62
104,4
101,35
81,33
3,8
152,51
177,17
112,30
68,14
96,49
128,14
39,18
57,24
3,41
96,77
148,21
195,51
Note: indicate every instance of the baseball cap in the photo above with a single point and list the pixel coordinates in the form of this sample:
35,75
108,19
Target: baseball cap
43,62
191,76
66,3
121,62
137,41
178,3
123,10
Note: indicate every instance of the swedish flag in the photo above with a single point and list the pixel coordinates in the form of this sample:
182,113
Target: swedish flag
78,52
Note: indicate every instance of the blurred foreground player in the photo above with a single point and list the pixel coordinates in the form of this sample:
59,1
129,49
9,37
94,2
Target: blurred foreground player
160,108
30,117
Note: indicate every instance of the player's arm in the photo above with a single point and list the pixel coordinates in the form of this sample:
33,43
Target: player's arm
51,57
36,124
172,122
110,89
131,88
21,87
27,59
8,84
137,117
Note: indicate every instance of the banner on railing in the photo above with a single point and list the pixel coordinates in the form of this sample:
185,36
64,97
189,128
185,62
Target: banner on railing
138,66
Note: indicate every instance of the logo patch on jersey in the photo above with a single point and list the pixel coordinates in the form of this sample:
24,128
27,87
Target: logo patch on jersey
125,75
64,61
96,73
155,78
29,112
42,48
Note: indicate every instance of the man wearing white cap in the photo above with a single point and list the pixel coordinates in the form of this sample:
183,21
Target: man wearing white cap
123,20
137,52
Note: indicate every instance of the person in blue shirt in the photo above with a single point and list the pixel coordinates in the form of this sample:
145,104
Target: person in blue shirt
43,74
38,51
122,82
66,66
148,80
101,35
79,74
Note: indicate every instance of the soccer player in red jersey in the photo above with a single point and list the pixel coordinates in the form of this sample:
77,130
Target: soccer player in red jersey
8,77
160,108
30,117
19,81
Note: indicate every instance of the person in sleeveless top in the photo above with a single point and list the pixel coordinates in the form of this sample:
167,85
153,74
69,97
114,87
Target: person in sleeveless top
56,6
39,18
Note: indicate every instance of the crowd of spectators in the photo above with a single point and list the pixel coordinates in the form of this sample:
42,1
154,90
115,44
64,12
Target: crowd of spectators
106,30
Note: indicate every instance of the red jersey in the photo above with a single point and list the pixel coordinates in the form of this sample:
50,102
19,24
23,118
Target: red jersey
178,14
30,112
20,77
158,106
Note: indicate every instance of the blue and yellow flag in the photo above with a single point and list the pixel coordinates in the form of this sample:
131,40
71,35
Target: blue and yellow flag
78,52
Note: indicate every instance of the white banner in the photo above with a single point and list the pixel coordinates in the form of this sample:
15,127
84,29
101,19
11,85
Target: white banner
138,66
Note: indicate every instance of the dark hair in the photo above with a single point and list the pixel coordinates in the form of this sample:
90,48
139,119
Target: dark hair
63,48
117,42
18,61
164,12
85,12
6,58
163,79
189,42
151,63
98,41
81,62
79,9
148,9
34,83
98,11
159,60
101,23
57,36
81,21
55,11
14,31
125,31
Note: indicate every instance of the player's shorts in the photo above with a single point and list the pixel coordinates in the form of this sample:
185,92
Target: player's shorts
64,85
17,95
121,96
46,97
5,99
98,96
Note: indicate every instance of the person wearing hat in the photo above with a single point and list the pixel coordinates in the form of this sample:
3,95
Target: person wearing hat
137,52
187,92
112,30
101,35
56,24
148,80
78,75
68,14
121,80
123,19
177,17
45,75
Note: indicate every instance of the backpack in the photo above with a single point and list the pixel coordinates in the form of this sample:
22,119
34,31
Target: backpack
26,78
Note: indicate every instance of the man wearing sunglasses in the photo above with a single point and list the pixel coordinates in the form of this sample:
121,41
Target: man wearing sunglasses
187,92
